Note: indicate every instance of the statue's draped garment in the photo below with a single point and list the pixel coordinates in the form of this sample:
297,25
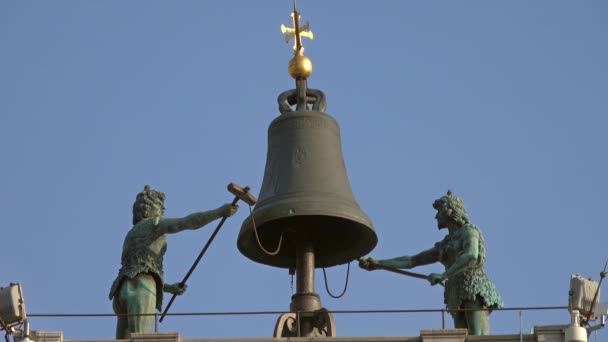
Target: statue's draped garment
142,252
466,286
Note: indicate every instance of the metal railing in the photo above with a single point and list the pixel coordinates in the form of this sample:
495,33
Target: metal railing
442,312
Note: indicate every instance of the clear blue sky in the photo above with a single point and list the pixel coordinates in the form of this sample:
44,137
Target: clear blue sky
504,102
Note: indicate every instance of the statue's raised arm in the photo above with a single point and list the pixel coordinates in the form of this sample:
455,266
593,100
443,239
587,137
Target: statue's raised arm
462,252
139,286
196,220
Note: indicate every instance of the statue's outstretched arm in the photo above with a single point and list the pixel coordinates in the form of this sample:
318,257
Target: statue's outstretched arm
196,220
423,258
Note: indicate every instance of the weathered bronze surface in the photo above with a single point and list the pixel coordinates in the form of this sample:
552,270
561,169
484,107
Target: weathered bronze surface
306,195
139,287
463,254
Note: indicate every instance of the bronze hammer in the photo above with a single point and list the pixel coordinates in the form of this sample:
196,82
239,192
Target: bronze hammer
239,193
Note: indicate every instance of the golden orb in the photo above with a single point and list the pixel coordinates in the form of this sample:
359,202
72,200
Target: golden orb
300,67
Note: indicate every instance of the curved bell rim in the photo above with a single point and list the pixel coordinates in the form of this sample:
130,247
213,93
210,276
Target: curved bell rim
338,235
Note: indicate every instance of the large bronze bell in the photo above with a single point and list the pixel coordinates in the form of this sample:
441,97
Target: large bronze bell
305,195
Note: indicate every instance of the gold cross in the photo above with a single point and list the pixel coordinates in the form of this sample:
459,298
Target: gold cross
296,32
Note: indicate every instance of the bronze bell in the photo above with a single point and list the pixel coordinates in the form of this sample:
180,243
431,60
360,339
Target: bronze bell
305,195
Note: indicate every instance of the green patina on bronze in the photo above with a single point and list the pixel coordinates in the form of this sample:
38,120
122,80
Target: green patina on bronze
463,254
139,286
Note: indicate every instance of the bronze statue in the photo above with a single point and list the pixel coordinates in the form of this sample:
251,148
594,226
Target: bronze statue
139,287
463,254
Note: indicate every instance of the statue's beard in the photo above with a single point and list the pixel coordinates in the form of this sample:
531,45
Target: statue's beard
441,226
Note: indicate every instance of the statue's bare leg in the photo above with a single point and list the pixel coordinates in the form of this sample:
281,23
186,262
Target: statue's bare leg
122,324
139,294
477,320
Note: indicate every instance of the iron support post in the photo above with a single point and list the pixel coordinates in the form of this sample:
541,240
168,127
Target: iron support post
305,301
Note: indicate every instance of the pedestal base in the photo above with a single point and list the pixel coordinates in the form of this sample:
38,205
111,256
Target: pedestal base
319,323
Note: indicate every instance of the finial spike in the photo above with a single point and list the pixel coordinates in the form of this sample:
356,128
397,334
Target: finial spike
300,66
297,32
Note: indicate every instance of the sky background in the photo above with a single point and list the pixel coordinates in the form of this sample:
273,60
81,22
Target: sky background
504,102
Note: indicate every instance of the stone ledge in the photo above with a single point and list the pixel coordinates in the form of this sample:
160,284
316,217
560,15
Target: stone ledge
46,336
443,335
155,337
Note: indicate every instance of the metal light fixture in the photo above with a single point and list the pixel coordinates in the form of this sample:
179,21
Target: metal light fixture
582,295
12,312
584,306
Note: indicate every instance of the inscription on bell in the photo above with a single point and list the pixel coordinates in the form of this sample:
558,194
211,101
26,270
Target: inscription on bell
299,156
305,123
310,123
